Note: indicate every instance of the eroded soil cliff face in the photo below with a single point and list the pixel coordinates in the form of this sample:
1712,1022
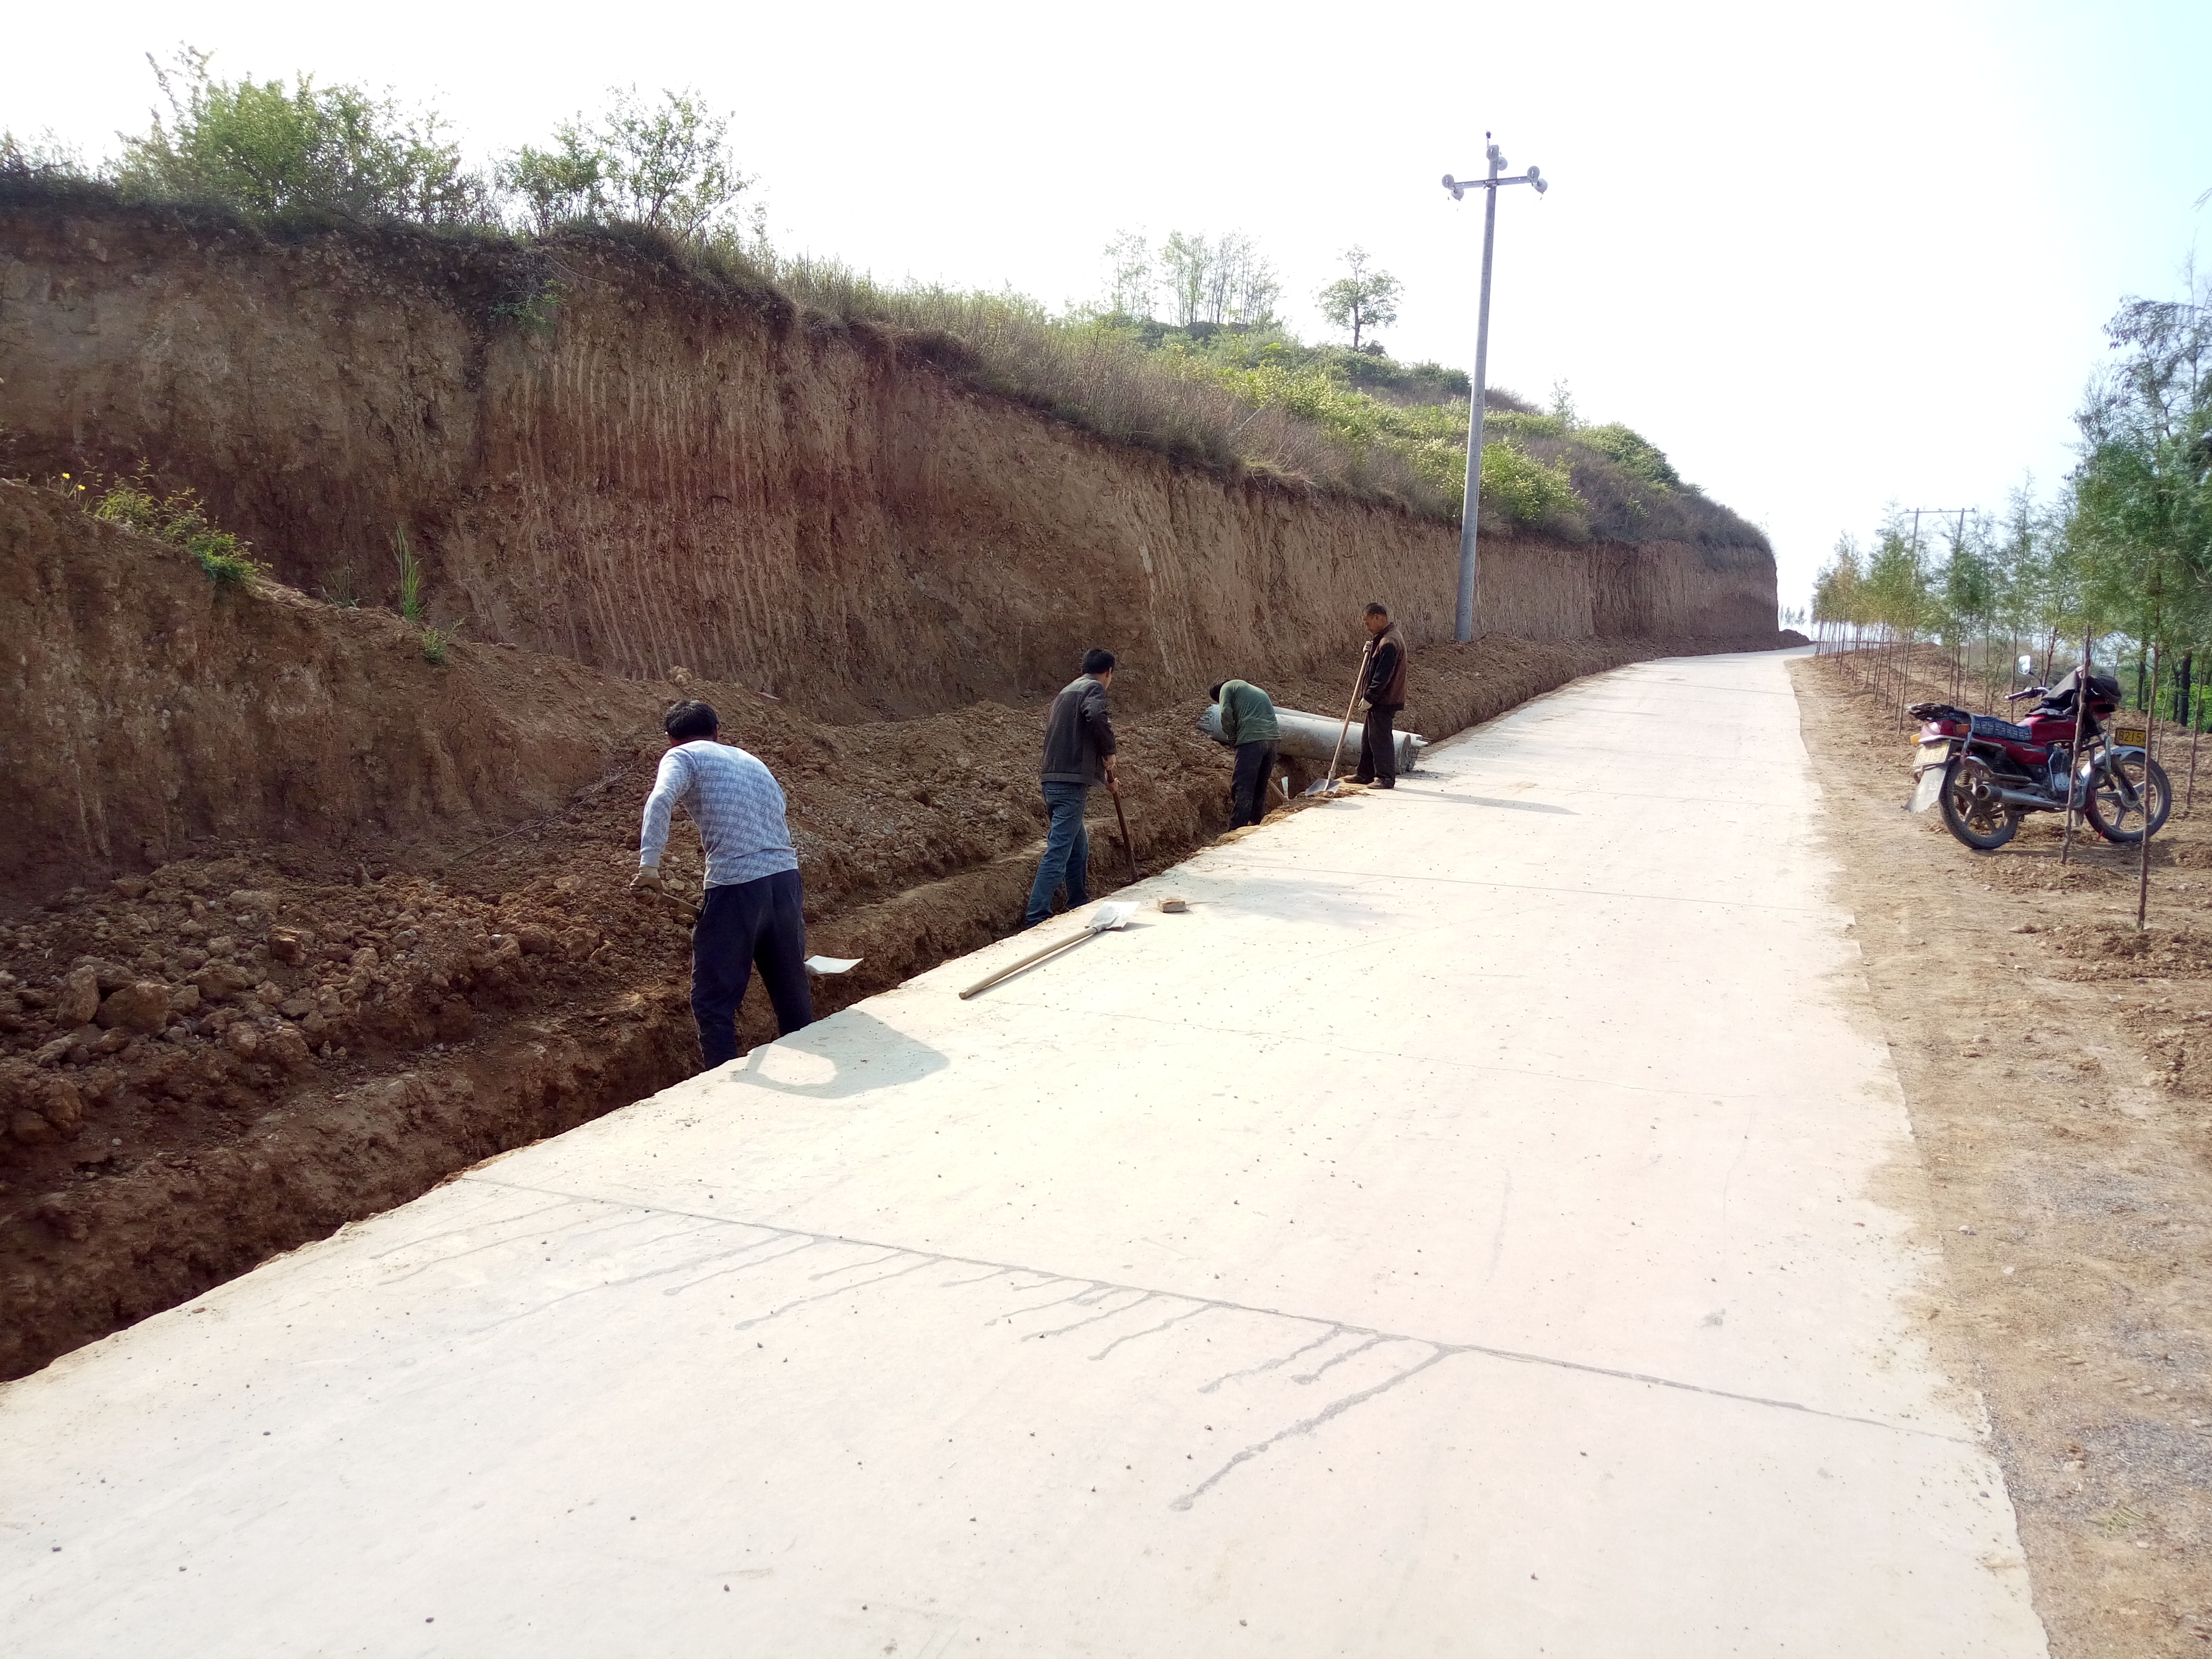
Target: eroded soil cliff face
605,460
296,924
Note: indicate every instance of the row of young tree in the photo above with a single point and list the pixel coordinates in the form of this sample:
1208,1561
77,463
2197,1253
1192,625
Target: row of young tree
2122,554
1194,280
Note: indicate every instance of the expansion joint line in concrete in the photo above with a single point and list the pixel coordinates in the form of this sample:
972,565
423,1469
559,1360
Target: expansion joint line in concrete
1335,1046
1249,862
1212,1304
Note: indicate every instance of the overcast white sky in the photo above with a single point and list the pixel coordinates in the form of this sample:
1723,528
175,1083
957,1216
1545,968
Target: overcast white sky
1824,258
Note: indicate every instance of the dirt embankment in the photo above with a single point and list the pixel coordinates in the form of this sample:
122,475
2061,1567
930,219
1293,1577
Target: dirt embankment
2058,1069
325,922
605,460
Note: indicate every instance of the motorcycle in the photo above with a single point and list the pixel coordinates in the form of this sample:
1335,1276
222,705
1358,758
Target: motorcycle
1988,774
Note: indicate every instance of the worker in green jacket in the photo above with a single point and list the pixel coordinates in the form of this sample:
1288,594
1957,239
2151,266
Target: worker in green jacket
1247,720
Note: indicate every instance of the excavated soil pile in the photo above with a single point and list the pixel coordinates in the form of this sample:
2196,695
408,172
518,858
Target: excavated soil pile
374,923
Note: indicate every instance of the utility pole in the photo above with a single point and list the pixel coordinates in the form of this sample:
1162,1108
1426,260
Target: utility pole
1464,622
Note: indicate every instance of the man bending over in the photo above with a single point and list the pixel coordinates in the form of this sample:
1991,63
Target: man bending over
1248,721
750,912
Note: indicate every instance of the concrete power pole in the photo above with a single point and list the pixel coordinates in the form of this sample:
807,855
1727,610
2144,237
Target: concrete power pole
1463,624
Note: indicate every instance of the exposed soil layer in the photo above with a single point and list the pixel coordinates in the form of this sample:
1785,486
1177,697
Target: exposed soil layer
335,944
601,458
2058,1069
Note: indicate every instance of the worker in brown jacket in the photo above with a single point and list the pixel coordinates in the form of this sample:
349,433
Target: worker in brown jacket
1384,689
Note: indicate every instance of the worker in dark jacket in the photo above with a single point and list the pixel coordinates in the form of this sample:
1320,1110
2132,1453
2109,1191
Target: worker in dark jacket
1247,720
1384,689
1078,753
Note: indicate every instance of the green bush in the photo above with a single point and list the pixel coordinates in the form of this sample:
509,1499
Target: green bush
1524,490
1632,452
225,559
267,149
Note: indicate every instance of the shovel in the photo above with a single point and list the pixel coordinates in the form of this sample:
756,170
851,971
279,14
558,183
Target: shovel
1328,785
1106,919
1127,846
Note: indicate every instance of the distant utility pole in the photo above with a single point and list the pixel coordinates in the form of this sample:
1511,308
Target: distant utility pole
1464,626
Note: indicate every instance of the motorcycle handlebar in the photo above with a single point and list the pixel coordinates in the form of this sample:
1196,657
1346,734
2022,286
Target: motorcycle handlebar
2032,692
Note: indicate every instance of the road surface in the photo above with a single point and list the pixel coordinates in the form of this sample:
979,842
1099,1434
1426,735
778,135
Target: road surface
1487,1224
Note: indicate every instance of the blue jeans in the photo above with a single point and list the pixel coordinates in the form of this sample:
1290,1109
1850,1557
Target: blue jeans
1067,852
740,925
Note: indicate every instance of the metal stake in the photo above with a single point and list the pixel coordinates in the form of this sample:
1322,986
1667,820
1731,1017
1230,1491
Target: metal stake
2189,720
2150,753
2074,755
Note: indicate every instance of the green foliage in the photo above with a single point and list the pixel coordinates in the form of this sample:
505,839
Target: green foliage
1527,492
1361,299
411,577
665,165
1211,283
225,559
1631,453
45,157
2124,553
435,640
2142,520
267,148
567,181
534,309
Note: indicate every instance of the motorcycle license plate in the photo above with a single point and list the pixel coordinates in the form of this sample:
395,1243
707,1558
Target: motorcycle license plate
1929,763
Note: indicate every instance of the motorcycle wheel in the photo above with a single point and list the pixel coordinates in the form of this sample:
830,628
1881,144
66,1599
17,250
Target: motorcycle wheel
1971,810
2113,818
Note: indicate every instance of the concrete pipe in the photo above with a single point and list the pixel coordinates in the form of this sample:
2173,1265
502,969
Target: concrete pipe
1313,737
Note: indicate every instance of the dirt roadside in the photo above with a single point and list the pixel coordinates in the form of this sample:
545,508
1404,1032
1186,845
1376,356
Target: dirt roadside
221,1056
2057,1066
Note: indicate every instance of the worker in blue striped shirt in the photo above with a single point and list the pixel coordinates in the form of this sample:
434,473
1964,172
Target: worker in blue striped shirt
751,914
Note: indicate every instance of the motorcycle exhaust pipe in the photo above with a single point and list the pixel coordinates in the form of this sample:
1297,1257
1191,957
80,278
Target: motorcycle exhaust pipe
2022,798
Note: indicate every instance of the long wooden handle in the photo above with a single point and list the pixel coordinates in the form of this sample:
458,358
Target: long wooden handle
1127,846
1358,676
1034,957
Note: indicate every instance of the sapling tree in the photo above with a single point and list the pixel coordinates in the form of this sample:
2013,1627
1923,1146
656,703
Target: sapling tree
1362,299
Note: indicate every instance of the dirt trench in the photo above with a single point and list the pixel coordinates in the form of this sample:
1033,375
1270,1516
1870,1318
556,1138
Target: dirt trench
282,1024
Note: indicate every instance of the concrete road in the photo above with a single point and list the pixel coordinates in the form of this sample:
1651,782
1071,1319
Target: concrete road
1487,1224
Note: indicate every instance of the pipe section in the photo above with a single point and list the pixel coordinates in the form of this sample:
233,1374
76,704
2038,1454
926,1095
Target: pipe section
1313,737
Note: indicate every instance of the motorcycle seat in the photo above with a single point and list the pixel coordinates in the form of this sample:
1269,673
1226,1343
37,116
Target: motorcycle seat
1989,725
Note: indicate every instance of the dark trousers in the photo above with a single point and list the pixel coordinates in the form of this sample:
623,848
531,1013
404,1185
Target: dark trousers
740,925
1378,749
1066,853
1248,791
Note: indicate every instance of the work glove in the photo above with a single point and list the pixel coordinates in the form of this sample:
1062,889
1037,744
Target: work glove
647,880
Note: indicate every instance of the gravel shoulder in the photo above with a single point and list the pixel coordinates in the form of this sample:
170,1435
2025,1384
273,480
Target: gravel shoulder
2058,1069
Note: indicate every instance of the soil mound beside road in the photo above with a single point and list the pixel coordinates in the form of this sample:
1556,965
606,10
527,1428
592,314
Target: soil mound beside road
296,924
